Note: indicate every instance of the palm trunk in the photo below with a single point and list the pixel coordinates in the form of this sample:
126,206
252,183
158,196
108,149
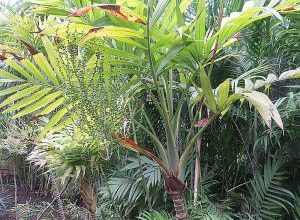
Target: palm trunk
177,197
88,194
176,188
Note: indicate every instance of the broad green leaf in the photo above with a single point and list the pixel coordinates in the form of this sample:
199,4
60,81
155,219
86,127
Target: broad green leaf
7,75
42,62
63,29
20,94
52,3
232,98
179,15
33,70
13,89
200,26
7,80
207,90
28,100
52,106
112,32
132,42
119,53
55,119
39,104
265,107
159,10
59,67
223,93
173,51
169,18
64,123
51,10
18,68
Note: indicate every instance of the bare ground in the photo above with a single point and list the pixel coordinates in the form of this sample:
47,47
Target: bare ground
29,204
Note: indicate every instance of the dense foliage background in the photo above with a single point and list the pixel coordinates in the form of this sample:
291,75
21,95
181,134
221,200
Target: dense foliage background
89,76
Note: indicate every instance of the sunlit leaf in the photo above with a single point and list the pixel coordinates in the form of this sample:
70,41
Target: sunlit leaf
207,90
112,32
223,93
265,107
117,10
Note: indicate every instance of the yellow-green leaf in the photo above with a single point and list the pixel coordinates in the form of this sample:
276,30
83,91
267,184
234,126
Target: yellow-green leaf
207,90
64,123
39,104
13,89
20,94
28,100
52,106
18,68
33,69
223,92
112,32
7,75
59,67
43,63
55,119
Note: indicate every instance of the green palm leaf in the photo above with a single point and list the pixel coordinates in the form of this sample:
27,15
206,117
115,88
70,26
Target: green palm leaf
268,198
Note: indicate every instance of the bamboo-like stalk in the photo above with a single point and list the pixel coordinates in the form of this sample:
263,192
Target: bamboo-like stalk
16,193
58,199
50,204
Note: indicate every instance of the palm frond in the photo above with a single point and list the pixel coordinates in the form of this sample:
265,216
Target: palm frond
154,215
268,197
296,209
128,185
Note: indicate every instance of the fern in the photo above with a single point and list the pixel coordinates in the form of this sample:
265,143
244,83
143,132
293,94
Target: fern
268,198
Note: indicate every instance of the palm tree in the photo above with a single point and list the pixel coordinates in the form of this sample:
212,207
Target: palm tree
168,58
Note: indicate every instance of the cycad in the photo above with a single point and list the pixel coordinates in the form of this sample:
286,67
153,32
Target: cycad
268,199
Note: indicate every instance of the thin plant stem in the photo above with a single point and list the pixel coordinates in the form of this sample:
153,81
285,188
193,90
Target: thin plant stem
16,193
140,163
